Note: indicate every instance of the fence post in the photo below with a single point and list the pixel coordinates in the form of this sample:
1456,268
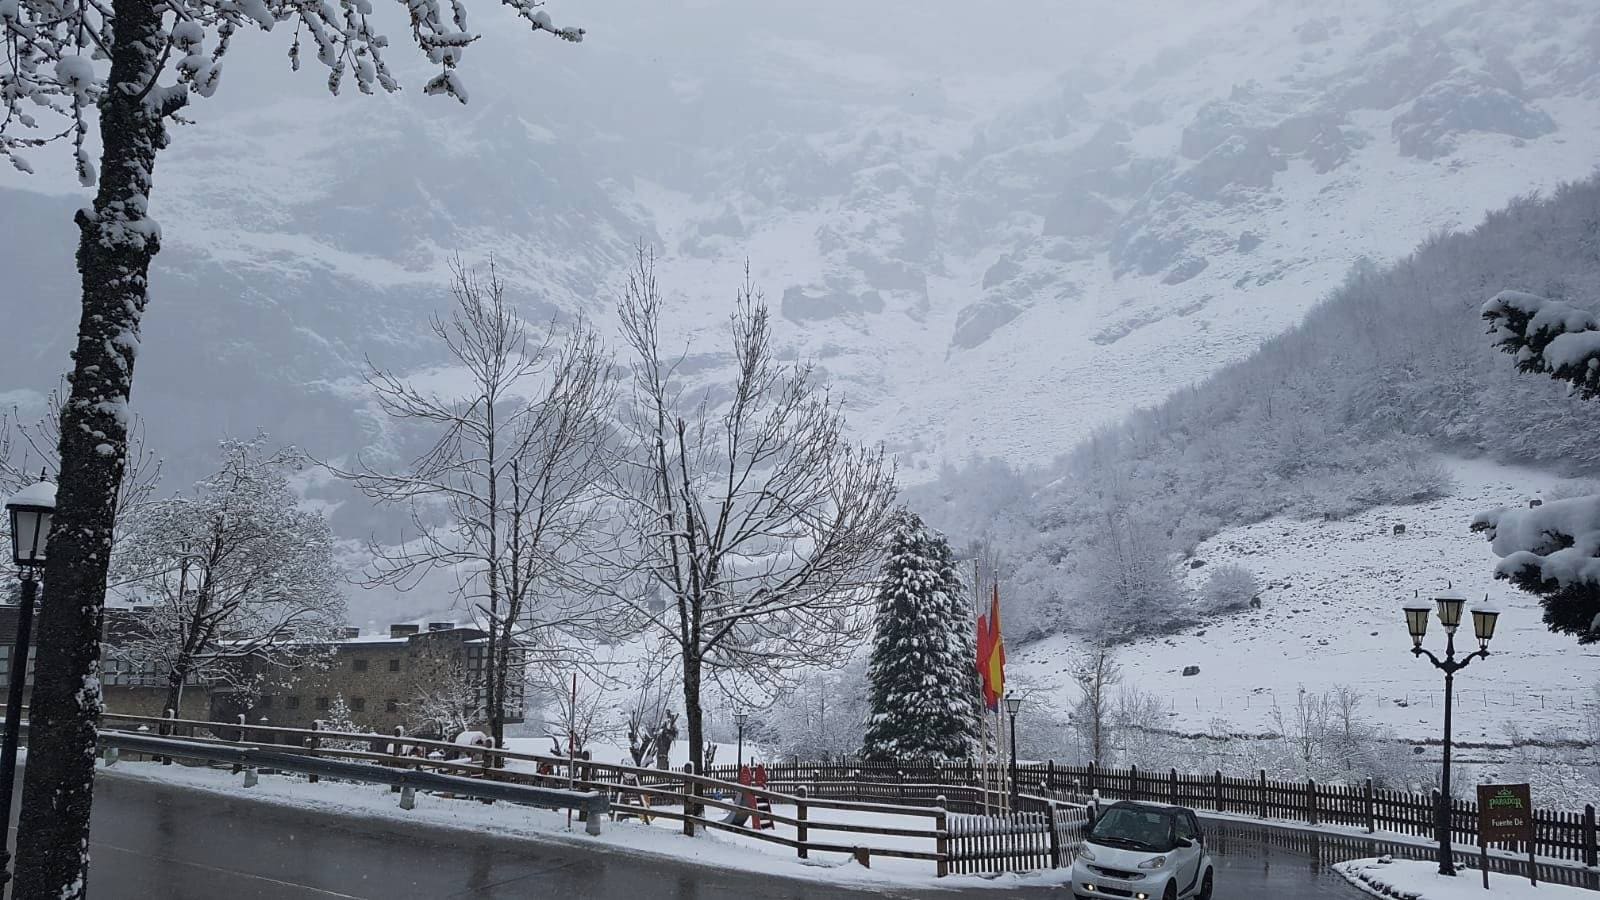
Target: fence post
399,753
167,731
1371,807
690,808
313,743
1133,782
1590,851
800,827
1263,798
942,842
1216,791
1311,801
1172,786
1055,839
237,768
1093,785
1050,775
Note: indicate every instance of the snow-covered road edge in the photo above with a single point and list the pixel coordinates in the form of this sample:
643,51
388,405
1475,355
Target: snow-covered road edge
627,837
1414,880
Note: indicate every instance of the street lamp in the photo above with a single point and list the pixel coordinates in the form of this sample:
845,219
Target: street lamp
30,511
1450,604
1013,703
739,719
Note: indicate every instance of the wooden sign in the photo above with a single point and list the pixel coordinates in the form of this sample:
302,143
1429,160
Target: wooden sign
1505,816
1505,813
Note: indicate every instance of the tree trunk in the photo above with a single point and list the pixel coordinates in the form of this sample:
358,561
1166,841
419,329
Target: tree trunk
116,243
175,690
692,715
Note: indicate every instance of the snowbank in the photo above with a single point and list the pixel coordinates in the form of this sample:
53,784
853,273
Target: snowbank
1412,880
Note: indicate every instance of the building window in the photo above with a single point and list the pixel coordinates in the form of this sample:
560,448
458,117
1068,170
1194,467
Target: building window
265,702
322,703
292,703
359,665
358,704
394,665
391,705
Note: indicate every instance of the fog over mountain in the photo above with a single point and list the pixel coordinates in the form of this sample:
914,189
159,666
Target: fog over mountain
996,228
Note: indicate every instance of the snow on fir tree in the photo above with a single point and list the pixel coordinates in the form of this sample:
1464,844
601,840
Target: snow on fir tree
339,720
924,684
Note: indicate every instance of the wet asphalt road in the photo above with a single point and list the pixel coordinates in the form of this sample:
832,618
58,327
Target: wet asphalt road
154,841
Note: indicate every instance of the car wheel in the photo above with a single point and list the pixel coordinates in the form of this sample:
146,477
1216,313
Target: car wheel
1205,886
1171,892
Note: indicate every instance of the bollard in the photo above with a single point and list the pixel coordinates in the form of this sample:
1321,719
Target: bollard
313,743
250,779
167,731
110,757
408,797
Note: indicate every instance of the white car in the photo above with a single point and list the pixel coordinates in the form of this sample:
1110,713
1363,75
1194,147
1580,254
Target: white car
1143,851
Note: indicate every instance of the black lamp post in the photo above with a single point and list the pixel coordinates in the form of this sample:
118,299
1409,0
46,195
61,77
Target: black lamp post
1013,703
30,511
739,719
1484,617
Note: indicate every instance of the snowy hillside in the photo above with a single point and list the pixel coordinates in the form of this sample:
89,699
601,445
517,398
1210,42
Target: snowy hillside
1330,615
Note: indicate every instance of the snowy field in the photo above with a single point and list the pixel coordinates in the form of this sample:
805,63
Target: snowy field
1415,880
1330,615
663,838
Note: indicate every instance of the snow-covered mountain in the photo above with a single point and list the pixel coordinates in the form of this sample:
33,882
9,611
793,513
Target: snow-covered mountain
995,234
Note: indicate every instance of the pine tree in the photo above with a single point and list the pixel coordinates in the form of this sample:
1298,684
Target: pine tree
339,720
923,675
1551,550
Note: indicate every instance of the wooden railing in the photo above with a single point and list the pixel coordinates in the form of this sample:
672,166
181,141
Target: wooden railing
1560,835
697,801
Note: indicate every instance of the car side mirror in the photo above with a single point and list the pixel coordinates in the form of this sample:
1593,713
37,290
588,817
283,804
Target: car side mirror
1185,842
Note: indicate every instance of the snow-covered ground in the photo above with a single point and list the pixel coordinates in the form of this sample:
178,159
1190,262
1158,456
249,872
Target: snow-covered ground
1412,880
1330,615
663,838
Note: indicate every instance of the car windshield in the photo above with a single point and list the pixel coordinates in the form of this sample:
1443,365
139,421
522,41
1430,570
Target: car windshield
1133,828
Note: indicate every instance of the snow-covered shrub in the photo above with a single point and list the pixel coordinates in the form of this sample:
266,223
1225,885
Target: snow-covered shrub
1229,587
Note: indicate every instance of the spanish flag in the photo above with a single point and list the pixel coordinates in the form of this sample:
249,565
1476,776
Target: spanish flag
992,654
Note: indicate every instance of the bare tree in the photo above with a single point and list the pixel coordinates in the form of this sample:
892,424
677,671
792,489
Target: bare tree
1095,673
28,451
655,682
748,509
499,498
442,700
243,583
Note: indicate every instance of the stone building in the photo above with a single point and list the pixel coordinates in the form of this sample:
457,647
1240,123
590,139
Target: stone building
384,679
126,690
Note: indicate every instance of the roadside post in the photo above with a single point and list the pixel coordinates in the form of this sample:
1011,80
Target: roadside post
1505,815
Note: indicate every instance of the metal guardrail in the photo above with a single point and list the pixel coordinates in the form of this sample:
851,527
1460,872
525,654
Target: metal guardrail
594,804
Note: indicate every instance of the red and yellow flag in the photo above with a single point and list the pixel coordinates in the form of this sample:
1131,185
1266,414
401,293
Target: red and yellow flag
992,654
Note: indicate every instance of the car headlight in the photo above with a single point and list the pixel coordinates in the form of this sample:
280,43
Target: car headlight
1154,862
1085,853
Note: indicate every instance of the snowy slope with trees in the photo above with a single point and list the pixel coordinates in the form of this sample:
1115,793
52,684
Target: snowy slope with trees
1330,600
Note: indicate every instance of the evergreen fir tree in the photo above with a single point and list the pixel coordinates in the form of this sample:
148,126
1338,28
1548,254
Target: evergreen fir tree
339,719
925,701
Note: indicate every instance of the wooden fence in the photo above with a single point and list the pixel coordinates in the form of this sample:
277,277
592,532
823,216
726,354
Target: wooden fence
1560,835
1040,835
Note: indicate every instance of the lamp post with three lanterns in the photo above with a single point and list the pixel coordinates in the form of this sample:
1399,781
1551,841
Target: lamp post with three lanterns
1450,604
